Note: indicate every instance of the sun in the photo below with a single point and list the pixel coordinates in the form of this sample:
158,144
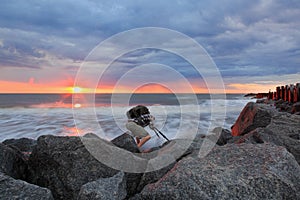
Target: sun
77,89
77,105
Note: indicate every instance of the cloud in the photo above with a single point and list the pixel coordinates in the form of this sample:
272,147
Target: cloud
245,38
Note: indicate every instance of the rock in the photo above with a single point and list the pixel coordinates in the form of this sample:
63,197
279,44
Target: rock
250,95
63,164
252,116
245,171
261,101
105,188
16,189
250,138
125,141
25,145
151,177
283,130
192,149
224,135
284,106
290,141
296,108
12,162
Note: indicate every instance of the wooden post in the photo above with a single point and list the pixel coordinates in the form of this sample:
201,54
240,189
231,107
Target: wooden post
282,93
287,93
277,93
291,93
295,93
298,92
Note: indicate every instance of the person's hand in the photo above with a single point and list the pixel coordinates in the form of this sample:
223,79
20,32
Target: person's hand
152,118
151,125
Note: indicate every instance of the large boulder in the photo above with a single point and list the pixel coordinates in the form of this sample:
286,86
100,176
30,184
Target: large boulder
296,108
252,116
24,145
290,141
283,106
185,147
16,189
113,188
63,164
282,128
12,162
125,141
224,135
244,171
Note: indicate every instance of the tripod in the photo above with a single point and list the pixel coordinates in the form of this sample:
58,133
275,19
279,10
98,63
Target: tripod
157,132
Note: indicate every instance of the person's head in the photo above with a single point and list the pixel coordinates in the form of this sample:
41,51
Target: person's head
137,111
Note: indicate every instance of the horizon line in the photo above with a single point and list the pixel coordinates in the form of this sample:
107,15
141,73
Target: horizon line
116,93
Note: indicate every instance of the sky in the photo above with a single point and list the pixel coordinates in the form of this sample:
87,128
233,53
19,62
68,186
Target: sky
255,45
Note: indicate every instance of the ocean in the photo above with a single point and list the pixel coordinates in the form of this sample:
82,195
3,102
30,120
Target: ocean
33,115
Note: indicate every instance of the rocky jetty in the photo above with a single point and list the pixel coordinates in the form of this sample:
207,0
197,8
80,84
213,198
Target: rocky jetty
105,188
246,171
258,159
264,123
11,188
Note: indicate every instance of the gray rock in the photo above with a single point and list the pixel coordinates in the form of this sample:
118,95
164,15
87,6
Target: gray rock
223,135
290,141
12,162
125,141
152,177
245,171
296,108
16,189
283,129
254,137
23,144
285,106
252,116
192,149
113,188
63,164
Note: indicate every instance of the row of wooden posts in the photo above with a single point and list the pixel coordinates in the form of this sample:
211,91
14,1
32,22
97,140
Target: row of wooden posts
290,93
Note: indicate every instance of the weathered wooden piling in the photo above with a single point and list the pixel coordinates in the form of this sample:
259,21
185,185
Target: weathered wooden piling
282,93
297,92
274,95
277,92
290,93
286,88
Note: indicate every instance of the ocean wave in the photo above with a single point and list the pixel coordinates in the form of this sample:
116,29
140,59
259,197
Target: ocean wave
40,120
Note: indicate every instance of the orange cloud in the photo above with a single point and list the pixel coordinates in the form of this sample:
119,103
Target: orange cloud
67,87
29,87
249,87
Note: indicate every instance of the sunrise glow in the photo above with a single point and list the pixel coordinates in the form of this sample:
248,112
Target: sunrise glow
77,105
77,89
18,87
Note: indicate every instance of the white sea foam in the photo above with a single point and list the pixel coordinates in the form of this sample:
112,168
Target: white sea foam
34,122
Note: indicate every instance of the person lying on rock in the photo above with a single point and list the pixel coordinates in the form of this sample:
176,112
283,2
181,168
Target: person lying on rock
138,118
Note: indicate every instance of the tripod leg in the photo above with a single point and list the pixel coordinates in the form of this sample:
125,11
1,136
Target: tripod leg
162,134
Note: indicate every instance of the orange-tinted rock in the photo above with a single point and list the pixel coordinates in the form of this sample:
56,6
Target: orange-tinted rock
252,116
